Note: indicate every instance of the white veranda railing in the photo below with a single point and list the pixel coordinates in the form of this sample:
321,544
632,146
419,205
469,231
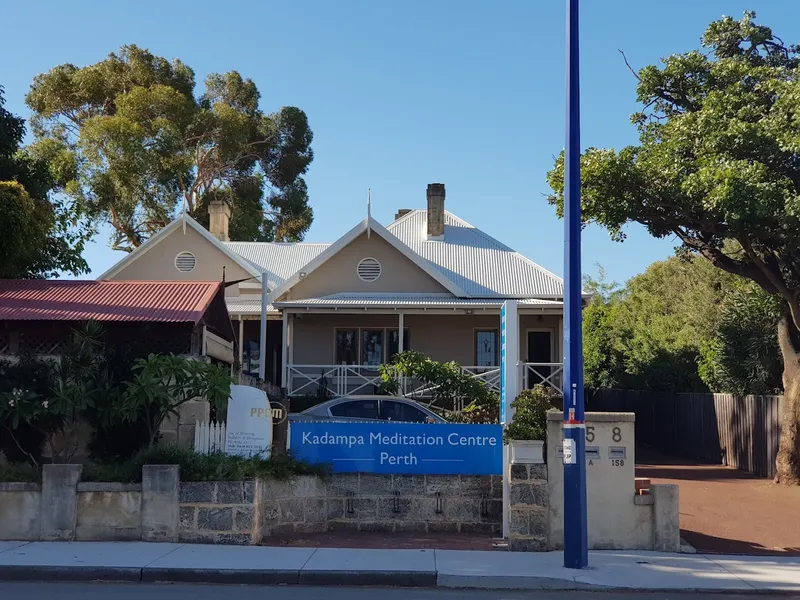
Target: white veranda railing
350,380
209,437
551,374
335,380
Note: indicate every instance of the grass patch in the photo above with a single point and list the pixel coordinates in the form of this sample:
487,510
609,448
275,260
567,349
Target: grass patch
19,472
202,467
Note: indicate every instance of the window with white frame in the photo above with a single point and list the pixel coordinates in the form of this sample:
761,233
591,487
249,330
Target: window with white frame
346,347
371,346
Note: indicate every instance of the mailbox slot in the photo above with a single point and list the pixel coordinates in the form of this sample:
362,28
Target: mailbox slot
618,452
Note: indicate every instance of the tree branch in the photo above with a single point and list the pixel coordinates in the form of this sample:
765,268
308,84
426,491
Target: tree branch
627,64
725,262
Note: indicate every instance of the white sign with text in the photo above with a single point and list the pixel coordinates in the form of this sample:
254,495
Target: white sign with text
249,423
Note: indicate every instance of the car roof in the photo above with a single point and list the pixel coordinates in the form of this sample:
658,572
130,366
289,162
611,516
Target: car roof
324,405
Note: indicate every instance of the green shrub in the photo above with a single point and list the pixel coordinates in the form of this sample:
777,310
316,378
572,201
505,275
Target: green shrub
19,472
202,467
530,416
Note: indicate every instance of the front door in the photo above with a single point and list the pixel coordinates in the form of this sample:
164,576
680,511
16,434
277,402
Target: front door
540,346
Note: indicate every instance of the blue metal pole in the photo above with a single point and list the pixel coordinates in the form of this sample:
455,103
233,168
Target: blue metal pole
576,547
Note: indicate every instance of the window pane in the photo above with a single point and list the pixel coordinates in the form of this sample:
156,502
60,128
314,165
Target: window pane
400,411
394,342
371,347
356,409
486,348
251,351
346,346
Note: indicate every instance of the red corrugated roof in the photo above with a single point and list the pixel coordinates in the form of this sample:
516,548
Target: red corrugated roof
159,301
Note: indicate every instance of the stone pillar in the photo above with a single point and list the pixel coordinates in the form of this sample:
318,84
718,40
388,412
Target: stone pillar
529,527
59,507
666,518
160,488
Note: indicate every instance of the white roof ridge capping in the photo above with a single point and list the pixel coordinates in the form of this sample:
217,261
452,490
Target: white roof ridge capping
351,235
153,241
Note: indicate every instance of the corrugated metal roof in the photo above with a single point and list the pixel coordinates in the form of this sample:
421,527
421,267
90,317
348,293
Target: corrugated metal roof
159,301
410,300
279,260
246,306
475,261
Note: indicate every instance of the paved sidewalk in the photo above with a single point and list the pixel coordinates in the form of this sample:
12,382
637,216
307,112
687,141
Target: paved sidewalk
146,562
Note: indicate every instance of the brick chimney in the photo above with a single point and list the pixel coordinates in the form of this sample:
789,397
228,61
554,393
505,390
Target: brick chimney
401,212
435,211
219,217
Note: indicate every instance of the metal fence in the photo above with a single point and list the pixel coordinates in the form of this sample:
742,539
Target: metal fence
740,431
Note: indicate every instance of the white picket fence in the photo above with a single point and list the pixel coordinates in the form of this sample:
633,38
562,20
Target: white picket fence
209,437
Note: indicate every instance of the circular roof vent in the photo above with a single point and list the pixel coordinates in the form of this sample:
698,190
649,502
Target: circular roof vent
185,262
369,269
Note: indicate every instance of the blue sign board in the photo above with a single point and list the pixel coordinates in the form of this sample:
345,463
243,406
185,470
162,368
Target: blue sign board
400,448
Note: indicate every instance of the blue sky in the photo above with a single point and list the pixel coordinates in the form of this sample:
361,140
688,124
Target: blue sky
400,94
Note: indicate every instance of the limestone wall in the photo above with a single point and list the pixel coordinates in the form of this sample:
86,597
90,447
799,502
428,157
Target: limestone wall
247,512
19,511
109,511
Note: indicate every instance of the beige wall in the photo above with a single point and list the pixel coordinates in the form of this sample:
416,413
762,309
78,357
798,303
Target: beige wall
442,337
398,273
618,519
158,264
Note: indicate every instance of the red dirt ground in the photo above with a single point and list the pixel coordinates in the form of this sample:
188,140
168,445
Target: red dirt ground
724,510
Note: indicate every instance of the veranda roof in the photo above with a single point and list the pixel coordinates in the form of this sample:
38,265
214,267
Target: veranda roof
144,301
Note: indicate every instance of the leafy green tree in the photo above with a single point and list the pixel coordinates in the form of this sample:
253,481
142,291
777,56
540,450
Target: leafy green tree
743,355
163,383
717,167
649,334
133,145
600,288
603,354
39,234
50,397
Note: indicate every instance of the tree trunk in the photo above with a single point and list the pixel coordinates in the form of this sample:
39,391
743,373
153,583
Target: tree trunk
787,463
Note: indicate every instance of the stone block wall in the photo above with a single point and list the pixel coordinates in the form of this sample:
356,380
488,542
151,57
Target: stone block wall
386,503
245,512
217,512
528,515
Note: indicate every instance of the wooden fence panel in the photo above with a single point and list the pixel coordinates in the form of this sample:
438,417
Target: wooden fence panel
740,431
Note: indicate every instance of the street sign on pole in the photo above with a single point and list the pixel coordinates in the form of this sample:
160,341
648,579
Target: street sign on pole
576,546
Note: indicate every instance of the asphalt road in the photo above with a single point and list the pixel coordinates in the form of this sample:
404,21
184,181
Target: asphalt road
101,591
